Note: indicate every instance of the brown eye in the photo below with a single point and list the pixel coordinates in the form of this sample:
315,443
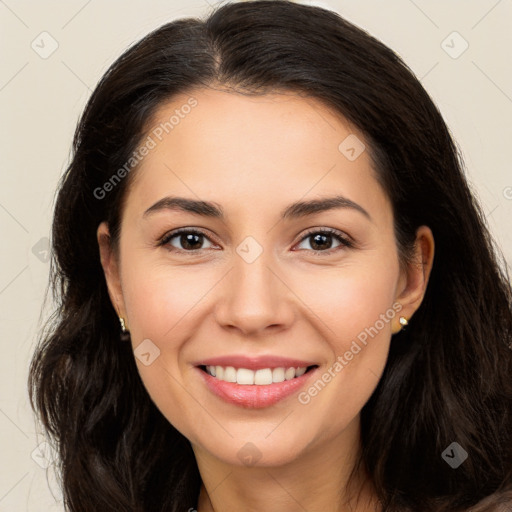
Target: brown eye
322,240
185,240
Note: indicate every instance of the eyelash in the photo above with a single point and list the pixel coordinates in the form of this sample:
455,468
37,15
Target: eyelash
344,241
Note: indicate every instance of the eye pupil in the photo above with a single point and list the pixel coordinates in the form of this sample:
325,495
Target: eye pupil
320,238
187,240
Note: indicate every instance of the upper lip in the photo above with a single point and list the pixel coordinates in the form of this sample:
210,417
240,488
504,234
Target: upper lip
254,363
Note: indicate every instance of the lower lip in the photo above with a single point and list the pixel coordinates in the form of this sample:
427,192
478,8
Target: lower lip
254,396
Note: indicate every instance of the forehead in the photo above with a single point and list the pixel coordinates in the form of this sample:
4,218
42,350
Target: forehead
228,146
222,119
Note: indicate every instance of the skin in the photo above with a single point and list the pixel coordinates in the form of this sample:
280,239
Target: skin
254,156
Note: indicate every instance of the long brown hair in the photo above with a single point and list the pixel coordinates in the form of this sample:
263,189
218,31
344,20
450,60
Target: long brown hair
448,376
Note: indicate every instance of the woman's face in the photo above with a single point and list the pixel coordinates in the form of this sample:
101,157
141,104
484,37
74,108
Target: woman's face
249,291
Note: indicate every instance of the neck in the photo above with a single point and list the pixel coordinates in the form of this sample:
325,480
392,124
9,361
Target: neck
314,481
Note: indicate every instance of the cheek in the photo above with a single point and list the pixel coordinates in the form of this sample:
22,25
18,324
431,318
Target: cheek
158,298
356,306
160,306
351,299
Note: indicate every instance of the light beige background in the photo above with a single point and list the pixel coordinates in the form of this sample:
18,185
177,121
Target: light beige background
41,99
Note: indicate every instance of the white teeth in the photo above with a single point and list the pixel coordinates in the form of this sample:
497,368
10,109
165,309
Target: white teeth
300,371
229,374
261,377
289,373
244,376
278,375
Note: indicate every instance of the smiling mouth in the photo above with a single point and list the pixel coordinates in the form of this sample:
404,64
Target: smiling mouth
261,377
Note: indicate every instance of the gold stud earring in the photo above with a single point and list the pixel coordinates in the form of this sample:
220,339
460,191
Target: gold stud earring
125,333
403,321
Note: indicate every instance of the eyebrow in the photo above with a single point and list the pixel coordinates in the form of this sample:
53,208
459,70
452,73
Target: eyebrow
292,211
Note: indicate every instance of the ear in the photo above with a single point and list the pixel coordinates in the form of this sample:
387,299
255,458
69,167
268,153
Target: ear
110,264
414,279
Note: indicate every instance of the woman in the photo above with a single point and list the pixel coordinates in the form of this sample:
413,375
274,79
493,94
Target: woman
276,290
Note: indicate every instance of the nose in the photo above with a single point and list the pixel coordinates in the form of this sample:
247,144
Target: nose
254,298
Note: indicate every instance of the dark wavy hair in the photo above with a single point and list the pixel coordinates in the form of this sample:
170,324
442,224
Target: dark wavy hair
448,375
